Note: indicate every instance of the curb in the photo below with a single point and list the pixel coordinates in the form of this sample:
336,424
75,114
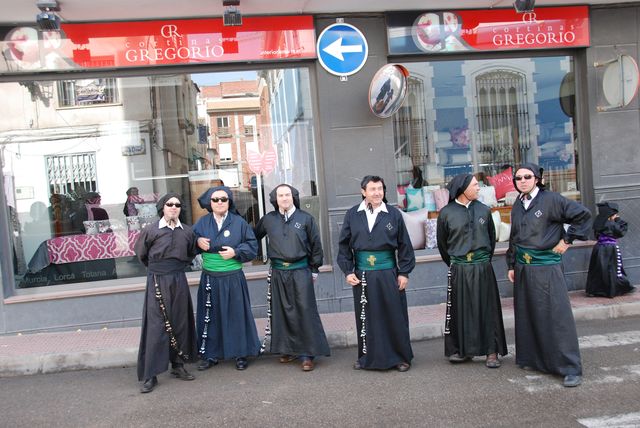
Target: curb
127,357
55,363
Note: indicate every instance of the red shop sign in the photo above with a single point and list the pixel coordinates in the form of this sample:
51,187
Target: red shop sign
487,30
148,43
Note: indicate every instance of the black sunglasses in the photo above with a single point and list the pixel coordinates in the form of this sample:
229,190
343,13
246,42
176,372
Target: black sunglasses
525,177
171,204
222,199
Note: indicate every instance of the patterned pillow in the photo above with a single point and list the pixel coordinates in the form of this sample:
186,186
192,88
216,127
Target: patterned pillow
503,183
415,200
147,210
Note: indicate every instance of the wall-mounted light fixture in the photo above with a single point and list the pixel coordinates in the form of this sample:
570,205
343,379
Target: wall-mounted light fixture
231,15
47,19
524,6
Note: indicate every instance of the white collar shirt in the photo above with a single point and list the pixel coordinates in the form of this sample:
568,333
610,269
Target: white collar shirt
163,223
371,216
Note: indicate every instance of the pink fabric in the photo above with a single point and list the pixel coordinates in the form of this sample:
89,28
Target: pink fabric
441,197
79,248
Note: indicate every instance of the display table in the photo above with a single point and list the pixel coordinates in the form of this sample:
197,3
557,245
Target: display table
79,248
78,258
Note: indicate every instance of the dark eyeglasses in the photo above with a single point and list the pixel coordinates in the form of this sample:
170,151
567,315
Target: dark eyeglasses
171,204
222,199
523,177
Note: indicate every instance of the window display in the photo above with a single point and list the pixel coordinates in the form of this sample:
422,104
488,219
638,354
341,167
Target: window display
85,161
484,117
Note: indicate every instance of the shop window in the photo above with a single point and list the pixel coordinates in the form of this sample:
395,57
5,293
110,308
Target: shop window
484,117
80,187
85,92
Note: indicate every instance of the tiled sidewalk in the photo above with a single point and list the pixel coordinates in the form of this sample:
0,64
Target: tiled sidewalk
53,352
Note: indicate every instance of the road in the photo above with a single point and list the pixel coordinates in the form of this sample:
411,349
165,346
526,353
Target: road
433,393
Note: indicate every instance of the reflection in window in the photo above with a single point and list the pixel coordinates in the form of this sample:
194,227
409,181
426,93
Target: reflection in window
503,115
87,92
80,184
66,173
484,117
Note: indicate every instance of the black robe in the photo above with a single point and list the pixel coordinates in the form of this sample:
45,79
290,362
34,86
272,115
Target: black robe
166,253
474,314
386,319
296,328
606,276
546,337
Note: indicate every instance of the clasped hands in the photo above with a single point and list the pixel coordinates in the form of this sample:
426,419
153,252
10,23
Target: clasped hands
353,280
226,252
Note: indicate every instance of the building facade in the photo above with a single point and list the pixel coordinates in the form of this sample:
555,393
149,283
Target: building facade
80,124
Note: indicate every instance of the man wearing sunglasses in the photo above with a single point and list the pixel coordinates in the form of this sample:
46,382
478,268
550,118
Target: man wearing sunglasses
295,250
168,333
546,338
225,324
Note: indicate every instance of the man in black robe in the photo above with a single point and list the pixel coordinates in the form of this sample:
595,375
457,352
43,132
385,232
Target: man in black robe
546,338
376,256
168,333
466,241
295,251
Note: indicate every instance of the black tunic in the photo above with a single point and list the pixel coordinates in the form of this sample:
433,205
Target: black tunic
166,253
474,321
296,328
546,337
607,276
386,317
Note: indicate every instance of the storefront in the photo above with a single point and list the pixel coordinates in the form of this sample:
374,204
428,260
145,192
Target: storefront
109,116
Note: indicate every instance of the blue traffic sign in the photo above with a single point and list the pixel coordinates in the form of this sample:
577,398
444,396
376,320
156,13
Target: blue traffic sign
342,49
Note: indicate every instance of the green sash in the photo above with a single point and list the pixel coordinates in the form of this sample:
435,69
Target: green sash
472,257
213,262
282,265
529,256
375,260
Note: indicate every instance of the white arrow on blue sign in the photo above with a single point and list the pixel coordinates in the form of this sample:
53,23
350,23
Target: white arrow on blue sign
342,49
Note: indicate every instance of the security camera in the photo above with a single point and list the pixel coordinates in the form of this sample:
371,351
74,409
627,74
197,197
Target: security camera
523,6
48,5
48,21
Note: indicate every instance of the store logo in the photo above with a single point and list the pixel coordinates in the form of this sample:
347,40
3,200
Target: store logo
173,50
529,18
170,31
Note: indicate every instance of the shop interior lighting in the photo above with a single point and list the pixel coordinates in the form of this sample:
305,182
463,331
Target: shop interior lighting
524,6
47,19
231,15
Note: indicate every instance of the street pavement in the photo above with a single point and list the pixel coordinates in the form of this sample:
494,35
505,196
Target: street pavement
434,393
23,354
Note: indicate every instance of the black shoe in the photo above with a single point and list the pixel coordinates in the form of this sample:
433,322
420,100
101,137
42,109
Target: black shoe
207,364
572,380
181,373
241,363
527,368
148,385
356,365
